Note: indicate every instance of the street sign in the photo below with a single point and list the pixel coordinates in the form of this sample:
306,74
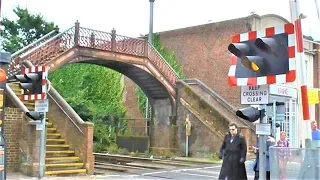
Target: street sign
42,105
313,96
263,129
254,94
282,90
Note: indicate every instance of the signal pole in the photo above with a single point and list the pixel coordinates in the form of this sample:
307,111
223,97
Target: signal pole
296,19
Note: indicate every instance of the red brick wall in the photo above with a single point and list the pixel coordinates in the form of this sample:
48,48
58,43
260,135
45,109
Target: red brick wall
202,51
131,100
12,129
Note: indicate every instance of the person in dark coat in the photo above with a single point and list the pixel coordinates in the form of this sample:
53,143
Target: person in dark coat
234,152
270,142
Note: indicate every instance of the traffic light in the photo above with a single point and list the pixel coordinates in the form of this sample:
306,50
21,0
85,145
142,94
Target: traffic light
34,115
250,114
33,83
263,57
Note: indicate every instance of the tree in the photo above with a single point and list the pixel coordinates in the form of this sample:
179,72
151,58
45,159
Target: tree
23,31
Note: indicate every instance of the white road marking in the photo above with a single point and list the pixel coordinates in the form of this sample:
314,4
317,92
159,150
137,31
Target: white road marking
215,174
211,167
159,172
191,174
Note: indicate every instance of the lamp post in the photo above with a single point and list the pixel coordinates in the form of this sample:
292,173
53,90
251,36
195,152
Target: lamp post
150,41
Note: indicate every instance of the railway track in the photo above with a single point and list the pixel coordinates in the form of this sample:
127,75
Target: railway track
128,164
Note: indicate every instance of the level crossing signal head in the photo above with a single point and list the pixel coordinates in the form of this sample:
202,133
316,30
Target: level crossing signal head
250,114
34,115
263,57
33,82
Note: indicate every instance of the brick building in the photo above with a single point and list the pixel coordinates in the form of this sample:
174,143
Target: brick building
202,52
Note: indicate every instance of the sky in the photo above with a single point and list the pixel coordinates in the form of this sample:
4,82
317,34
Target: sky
131,17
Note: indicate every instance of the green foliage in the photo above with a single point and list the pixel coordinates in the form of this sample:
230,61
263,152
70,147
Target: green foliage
170,58
113,148
95,93
123,151
93,90
99,147
135,154
142,99
148,153
23,31
214,157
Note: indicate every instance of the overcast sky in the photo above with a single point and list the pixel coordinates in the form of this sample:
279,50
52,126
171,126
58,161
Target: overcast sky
131,17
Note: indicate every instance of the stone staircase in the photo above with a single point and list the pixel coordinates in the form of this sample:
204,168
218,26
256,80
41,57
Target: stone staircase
60,158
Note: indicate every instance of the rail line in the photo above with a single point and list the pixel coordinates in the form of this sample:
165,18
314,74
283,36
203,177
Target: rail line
128,164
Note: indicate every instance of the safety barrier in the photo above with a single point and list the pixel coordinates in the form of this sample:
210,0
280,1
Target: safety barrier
294,163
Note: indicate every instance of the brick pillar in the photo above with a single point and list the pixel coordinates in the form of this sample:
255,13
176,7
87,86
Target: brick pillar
12,129
29,149
88,147
246,133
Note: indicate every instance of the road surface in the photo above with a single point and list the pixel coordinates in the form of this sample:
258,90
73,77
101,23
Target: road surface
203,172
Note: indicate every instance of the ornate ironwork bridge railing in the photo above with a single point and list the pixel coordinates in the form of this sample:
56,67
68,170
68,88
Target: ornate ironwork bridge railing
50,48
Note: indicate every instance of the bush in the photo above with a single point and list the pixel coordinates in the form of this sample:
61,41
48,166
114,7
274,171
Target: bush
113,148
123,151
99,147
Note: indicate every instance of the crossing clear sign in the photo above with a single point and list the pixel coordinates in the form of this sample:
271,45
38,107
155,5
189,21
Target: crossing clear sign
255,94
42,105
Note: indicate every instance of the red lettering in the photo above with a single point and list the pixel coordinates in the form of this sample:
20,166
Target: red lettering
283,91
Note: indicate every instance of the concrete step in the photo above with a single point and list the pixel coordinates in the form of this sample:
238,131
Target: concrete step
49,125
57,160
57,146
53,135
64,166
59,153
51,130
66,172
59,141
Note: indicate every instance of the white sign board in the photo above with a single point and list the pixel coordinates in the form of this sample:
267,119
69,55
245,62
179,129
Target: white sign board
263,129
42,105
39,127
283,91
255,94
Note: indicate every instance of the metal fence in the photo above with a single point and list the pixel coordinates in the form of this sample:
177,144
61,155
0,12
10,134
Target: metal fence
135,137
294,163
134,127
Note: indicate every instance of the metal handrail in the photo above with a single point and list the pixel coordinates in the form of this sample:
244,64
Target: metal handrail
163,60
35,42
46,42
15,99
